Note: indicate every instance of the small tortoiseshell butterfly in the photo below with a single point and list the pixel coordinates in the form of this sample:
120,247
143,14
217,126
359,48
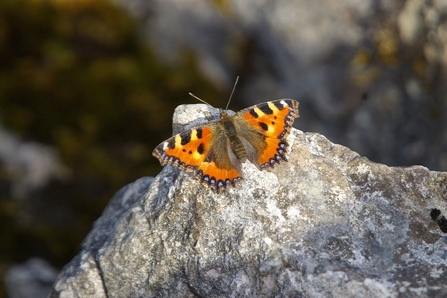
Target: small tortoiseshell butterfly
213,152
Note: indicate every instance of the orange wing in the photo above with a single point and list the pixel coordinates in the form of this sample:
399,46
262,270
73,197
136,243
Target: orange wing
266,127
201,150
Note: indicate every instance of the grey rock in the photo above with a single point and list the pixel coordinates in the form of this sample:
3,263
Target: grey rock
32,279
30,165
328,223
189,116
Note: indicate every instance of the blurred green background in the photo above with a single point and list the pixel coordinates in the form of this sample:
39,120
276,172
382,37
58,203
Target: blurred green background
77,76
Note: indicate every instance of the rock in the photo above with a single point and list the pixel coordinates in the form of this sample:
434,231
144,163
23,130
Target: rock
30,165
328,223
32,279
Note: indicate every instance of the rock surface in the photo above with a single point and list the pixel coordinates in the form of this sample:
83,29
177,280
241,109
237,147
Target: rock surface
31,279
328,223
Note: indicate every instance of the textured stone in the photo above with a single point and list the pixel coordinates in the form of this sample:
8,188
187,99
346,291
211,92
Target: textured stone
31,279
328,223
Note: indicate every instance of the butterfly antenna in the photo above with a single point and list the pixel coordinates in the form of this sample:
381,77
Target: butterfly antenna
231,95
199,99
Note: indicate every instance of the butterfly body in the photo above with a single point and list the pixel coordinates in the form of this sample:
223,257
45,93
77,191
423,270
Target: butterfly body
214,151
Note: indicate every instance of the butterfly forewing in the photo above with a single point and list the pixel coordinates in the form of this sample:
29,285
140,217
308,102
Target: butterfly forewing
187,150
274,118
198,150
272,122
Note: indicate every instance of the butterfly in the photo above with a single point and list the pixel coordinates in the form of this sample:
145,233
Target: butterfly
213,152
